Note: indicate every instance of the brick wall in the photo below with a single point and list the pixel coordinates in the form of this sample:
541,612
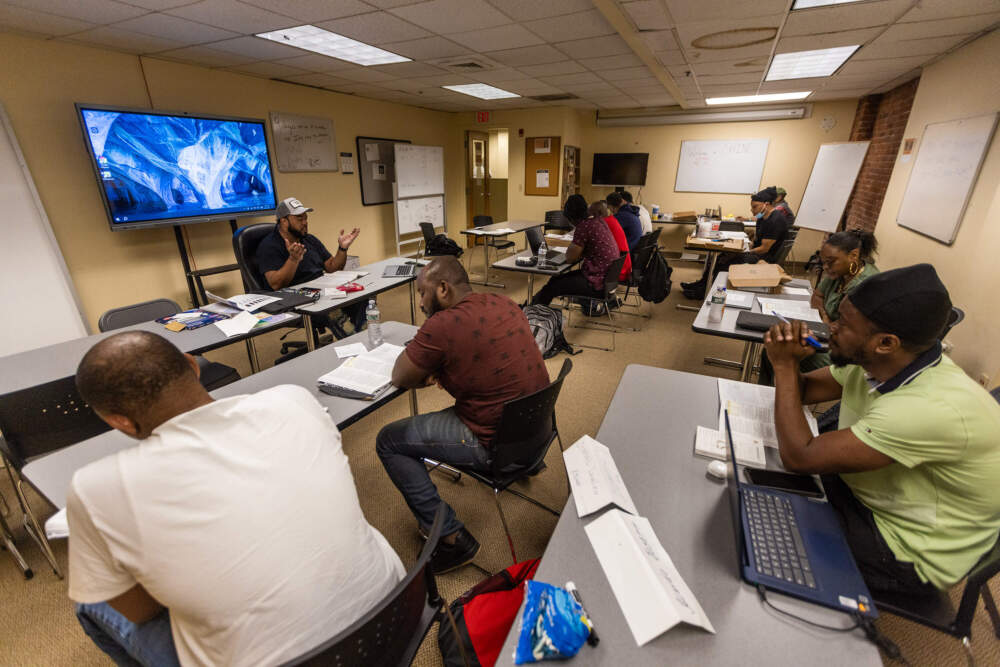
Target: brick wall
881,119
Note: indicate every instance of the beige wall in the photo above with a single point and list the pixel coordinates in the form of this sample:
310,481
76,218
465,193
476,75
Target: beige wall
962,84
42,80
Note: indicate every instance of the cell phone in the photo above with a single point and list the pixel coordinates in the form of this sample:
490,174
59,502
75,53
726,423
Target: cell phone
803,485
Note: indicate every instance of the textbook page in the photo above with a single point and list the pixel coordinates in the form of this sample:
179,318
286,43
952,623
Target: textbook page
749,451
247,302
594,478
335,279
792,309
367,373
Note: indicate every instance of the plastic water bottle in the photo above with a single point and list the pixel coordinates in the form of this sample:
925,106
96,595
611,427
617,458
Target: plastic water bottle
718,304
374,325
543,251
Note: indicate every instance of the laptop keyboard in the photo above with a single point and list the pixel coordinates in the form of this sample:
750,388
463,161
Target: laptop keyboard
399,271
778,550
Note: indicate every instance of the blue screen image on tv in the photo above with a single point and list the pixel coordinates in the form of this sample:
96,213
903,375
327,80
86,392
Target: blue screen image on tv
174,169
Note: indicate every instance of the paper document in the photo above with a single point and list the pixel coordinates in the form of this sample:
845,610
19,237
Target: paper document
790,308
559,237
733,235
351,350
594,478
796,291
367,374
247,302
238,324
500,232
650,591
57,526
335,279
711,443
751,413
737,299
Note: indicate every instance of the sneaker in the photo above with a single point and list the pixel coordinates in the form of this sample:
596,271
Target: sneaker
448,557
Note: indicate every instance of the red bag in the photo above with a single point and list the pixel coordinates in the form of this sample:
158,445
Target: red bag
483,616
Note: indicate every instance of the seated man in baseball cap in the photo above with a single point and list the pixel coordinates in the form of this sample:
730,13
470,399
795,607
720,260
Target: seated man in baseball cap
912,473
291,255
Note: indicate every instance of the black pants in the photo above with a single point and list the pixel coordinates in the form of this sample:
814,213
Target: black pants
572,283
878,565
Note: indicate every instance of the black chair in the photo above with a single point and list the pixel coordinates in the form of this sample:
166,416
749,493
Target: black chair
391,632
786,247
731,226
37,421
606,298
213,374
525,432
647,246
555,220
427,229
534,236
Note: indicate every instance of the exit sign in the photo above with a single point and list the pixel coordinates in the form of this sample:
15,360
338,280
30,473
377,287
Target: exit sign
482,116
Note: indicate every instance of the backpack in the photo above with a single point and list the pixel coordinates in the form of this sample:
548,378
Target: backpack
654,285
442,245
483,616
546,326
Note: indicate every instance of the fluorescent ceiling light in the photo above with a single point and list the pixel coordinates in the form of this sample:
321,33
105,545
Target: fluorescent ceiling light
808,64
311,38
806,4
751,99
482,91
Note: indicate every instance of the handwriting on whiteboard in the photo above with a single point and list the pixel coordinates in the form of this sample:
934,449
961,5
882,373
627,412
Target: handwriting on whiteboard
303,143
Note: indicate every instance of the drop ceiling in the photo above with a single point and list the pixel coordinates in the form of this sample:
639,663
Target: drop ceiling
609,54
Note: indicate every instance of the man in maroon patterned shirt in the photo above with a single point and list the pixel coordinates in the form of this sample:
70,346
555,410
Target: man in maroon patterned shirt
480,349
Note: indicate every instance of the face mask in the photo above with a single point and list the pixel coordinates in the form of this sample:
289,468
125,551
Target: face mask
759,215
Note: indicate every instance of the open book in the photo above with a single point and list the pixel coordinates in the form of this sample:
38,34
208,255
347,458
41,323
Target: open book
366,376
247,302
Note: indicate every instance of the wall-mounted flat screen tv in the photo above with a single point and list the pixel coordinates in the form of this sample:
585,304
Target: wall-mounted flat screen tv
156,168
619,169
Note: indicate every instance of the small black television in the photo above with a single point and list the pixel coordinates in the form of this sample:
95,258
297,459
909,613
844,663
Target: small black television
619,169
157,168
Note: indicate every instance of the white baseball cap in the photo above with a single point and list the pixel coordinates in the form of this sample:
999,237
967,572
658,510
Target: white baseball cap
290,206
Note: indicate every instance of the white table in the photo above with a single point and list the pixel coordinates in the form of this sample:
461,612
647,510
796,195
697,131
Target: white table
489,231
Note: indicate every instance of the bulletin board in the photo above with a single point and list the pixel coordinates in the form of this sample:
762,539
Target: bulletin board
377,169
541,166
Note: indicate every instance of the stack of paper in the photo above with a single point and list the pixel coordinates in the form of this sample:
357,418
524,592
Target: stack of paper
335,279
791,309
247,302
738,299
366,376
238,324
711,443
594,478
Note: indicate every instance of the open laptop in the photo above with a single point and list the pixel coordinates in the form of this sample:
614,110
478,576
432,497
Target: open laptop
402,270
793,545
554,258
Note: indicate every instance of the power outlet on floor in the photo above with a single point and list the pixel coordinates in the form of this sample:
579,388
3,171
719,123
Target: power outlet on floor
984,380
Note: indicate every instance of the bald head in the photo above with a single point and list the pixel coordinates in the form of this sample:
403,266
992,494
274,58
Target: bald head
445,268
139,376
598,209
442,284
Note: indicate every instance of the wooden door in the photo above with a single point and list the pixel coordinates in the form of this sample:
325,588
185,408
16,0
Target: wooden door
477,176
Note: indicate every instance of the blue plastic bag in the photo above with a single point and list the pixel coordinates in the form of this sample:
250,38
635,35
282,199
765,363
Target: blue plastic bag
553,624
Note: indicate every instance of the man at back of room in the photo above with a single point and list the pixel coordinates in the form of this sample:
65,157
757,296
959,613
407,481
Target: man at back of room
628,217
644,218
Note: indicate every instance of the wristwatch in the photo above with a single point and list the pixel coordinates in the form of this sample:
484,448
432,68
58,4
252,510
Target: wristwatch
342,248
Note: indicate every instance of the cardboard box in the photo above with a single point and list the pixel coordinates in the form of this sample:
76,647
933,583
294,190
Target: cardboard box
685,216
729,245
759,277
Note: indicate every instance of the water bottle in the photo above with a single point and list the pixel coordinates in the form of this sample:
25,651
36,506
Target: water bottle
374,325
543,252
718,304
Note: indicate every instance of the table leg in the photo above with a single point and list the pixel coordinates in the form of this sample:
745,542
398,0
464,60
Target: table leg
414,410
735,365
310,334
752,352
486,269
413,311
252,354
531,287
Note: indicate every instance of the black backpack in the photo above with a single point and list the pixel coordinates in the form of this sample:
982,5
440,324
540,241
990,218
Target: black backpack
654,285
546,327
442,245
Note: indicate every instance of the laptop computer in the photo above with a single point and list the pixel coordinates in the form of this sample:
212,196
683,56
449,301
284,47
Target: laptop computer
402,270
554,257
794,545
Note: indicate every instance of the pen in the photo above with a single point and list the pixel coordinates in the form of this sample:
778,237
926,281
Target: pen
809,339
592,638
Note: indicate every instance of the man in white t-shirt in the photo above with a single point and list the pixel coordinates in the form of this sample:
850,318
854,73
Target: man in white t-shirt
230,535
644,218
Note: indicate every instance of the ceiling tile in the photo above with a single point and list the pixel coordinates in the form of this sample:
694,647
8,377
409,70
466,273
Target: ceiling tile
574,26
204,56
619,103
171,27
256,48
897,65
724,39
553,69
502,75
645,88
844,17
749,77
647,15
411,69
789,85
660,40
269,70
159,5
447,16
730,89
611,45
532,55
426,48
356,88
611,62
852,94
567,81
233,15
626,74
92,11
320,80
125,40
501,37
655,100
592,89
667,58
314,62
690,11
826,40
364,74
40,22
442,80
527,10
313,11
885,48
943,9
725,67
389,4
958,26
375,28
532,88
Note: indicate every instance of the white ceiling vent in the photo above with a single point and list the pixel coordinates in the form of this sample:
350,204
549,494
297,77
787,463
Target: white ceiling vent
470,64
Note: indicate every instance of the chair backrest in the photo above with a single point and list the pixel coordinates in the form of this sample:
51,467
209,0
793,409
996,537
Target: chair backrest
783,250
44,418
527,427
391,632
245,242
534,236
427,228
116,318
613,274
481,220
731,226
554,216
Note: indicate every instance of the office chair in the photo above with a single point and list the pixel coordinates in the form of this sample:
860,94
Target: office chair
491,241
786,247
213,375
37,421
555,220
427,229
534,237
391,632
606,298
525,432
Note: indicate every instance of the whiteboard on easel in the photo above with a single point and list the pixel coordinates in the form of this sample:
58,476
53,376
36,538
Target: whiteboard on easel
303,143
948,160
830,184
732,166
419,170
411,212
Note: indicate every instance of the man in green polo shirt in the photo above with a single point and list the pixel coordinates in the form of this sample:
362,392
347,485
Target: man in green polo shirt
913,471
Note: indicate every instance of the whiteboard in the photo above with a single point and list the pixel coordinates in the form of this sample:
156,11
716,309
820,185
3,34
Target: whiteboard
36,292
830,185
947,164
419,170
728,166
303,143
411,212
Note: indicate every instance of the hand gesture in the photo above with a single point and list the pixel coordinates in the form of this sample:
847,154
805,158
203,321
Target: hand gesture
786,343
346,240
296,251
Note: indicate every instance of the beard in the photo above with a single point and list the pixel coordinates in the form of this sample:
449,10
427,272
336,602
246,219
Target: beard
840,360
296,234
434,307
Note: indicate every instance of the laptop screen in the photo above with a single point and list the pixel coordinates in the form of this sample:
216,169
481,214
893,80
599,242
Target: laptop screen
733,489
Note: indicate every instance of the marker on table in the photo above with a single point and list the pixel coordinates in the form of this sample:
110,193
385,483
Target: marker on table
592,639
809,339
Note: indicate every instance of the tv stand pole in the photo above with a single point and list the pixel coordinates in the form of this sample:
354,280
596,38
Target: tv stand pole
196,290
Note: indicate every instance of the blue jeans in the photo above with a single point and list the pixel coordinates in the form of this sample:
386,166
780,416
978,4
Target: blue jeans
148,645
441,436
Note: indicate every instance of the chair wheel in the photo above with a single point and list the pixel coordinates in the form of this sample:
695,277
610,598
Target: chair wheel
28,574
